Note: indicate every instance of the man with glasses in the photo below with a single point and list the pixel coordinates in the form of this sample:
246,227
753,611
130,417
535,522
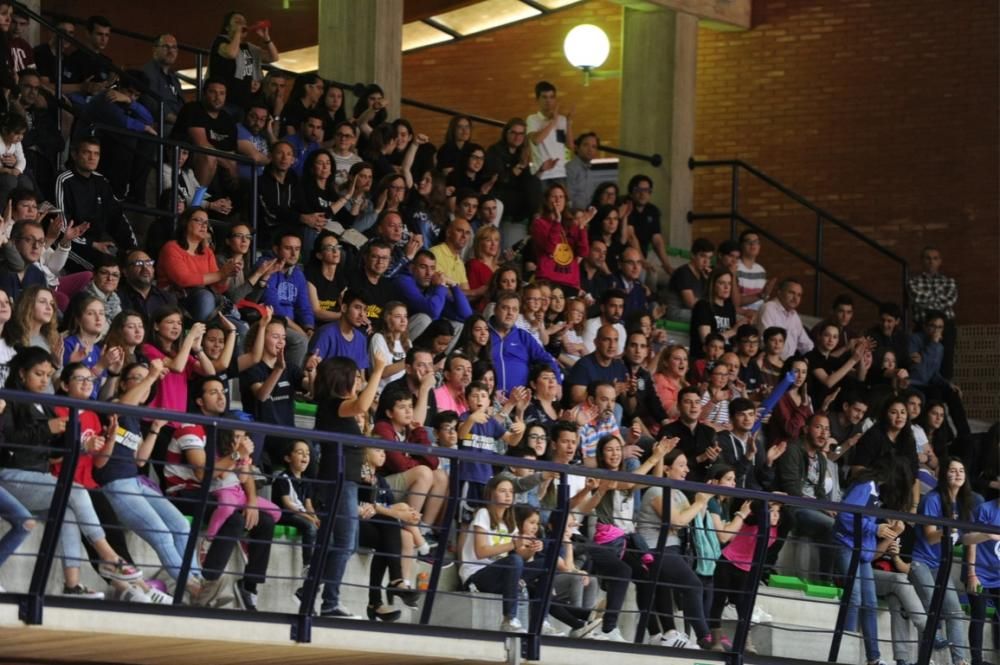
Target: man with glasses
138,291
287,292
345,136
645,222
254,137
29,240
514,350
163,81
628,280
370,281
104,287
390,228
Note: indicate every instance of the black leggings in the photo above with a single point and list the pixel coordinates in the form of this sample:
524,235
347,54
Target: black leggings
614,575
730,585
385,537
676,575
978,622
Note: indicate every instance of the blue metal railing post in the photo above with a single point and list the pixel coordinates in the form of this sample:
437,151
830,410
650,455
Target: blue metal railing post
926,649
199,513
199,61
753,583
58,81
530,646
454,496
654,577
32,605
161,121
302,626
845,600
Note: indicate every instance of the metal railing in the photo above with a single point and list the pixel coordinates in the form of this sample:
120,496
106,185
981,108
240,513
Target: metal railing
822,218
33,602
357,89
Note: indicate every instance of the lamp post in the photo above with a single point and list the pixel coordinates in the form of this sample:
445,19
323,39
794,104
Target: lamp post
586,47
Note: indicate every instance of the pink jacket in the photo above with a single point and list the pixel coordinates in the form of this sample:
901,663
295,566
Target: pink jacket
546,236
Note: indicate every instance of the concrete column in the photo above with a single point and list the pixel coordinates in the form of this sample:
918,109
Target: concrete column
659,58
34,32
363,41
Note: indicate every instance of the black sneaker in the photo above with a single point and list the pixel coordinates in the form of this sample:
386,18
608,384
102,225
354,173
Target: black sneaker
246,599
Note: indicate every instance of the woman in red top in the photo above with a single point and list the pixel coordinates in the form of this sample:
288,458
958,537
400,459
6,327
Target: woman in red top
793,410
560,240
486,250
187,264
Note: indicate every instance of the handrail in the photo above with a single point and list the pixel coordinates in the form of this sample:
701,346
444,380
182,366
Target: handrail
60,17
33,603
78,44
655,159
696,216
822,216
798,198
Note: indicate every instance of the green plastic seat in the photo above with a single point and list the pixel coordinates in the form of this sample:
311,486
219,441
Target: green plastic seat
305,409
787,582
823,591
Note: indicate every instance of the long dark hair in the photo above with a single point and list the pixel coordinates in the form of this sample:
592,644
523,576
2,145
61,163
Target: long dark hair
25,359
335,377
905,445
464,343
507,519
894,477
180,235
964,499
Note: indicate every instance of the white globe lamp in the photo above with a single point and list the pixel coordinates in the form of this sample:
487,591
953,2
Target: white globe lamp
586,47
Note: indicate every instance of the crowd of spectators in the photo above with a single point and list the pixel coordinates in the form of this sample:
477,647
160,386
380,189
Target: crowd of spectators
486,294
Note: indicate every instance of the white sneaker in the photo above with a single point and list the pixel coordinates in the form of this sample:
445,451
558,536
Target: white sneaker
729,613
158,597
760,615
512,625
134,594
549,629
2,590
655,640
614,635
675,639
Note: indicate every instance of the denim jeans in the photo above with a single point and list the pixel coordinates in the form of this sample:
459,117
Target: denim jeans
924,581
12,511
862,601
34,489
504,576
154,519
817,526
343,544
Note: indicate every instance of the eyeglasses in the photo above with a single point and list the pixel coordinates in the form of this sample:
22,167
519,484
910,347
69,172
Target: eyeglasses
345,135
477,158
107,273
34,242
242,236
142,263
81,379
537,437
200,222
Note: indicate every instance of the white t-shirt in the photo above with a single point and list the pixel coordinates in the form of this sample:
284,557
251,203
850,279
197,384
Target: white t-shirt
398,353
471,564
343,167
549,148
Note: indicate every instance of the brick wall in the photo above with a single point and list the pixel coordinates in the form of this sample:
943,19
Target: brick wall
884,113
494,75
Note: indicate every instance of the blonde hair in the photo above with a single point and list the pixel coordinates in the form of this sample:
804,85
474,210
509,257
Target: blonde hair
663,359
482,235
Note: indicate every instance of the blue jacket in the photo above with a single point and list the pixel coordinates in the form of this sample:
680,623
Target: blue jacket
514,355
437,302
865,495
927,372
289,296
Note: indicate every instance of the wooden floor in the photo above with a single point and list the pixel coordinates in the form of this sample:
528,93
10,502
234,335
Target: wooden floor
74,636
